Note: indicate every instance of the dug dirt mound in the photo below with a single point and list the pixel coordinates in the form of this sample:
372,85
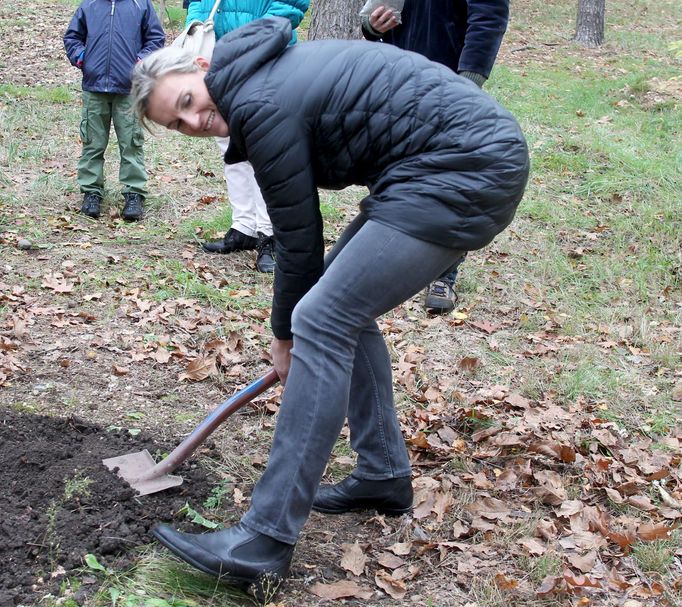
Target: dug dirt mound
59,502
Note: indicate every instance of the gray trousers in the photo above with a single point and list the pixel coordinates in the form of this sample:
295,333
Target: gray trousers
341,369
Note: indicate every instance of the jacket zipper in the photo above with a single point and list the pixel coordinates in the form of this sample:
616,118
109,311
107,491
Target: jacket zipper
111,41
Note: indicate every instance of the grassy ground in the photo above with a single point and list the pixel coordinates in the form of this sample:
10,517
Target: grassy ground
543,415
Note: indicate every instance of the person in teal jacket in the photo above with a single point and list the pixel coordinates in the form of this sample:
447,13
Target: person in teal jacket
232,14
251,227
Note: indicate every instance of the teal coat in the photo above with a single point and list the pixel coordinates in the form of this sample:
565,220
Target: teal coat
232,14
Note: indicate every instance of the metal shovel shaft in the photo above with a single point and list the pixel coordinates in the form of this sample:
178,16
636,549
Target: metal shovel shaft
210,423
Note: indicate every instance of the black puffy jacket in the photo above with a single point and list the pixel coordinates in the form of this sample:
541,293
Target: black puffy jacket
442,160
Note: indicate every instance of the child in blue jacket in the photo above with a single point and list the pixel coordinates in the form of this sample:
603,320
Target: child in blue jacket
251,227
105,39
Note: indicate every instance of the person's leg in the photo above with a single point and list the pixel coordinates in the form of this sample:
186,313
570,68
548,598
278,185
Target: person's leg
330,324
94,132
242,234
239,179
131,174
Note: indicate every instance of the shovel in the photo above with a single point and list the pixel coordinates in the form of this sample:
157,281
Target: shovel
146,476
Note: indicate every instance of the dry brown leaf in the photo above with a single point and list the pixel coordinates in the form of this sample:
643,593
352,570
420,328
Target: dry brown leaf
390,561
341,589
393,587
459,529
649,533
584,562
481,481
469,364
353,559
57,283
505,583
401,548
120,371
199,369
642,502
580,581
552,584
534,546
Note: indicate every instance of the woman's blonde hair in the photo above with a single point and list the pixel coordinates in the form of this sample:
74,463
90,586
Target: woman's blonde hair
168,60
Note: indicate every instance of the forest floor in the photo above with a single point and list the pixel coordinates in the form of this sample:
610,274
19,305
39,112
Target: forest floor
542,415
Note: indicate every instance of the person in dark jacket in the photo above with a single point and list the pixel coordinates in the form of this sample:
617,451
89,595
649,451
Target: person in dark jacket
105,39
465,35
446,167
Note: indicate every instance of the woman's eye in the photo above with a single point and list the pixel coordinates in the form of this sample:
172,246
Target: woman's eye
188,101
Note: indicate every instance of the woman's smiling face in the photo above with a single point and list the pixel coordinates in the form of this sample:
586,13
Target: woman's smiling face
181,102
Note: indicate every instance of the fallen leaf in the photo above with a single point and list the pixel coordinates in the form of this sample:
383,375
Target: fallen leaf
468,364
353,558
393,587
340,590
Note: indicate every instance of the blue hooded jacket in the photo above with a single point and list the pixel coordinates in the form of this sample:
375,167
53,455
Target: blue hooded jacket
109,36
232,14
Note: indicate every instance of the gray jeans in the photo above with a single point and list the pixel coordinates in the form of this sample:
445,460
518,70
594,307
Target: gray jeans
341,369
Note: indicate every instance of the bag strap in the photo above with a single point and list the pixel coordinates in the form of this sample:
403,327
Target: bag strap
214,10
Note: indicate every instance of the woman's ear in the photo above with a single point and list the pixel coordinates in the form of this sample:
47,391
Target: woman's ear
203,63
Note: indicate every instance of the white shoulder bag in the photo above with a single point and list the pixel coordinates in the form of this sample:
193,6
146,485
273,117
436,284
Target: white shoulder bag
198,38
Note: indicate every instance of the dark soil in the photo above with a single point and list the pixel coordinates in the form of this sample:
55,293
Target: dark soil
59,502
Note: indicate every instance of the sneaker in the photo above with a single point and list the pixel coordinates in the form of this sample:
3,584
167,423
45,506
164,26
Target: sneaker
234,240
133,208
91,204
265,262
440,296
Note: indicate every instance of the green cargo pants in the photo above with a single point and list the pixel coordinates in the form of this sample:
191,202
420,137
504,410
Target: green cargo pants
99,110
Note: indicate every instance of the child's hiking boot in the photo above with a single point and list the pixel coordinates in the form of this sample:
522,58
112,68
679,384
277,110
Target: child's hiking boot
133,209
234,240
91,204
265,261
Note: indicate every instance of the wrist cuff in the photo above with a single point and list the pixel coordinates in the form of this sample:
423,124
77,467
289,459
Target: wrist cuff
477,79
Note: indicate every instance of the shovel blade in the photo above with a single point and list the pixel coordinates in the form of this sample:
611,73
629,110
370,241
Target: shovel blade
135,468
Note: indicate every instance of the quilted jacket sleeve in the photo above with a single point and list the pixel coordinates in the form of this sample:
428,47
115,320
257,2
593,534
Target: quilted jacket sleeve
294,10
278,149
74,38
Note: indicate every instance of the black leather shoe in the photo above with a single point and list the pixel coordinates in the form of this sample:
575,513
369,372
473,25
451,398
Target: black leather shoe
392,497
237,556
234,240
91,204
133,208
265,261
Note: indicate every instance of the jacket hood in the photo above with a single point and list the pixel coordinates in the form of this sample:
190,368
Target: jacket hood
241,53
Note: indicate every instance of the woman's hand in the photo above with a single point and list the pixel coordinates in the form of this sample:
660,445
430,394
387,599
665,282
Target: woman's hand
382,19
280,349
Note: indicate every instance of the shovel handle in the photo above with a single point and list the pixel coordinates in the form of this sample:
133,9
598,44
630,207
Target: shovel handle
210,423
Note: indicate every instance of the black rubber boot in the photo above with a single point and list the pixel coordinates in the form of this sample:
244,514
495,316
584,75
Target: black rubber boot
392,497
237,556
234,240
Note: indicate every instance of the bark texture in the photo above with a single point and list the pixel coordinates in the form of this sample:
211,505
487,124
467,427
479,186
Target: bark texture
335,19
589,30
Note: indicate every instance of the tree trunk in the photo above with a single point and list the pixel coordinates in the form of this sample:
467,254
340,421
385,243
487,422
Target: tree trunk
162,11
335,19
589,30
